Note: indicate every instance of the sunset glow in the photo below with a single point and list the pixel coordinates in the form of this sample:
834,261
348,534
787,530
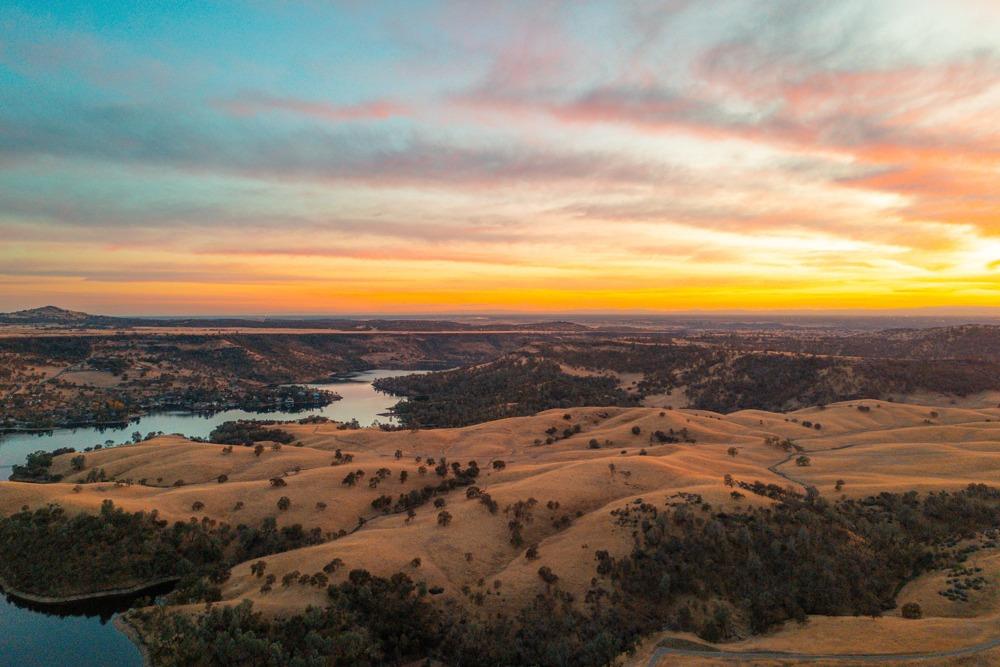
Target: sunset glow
405,157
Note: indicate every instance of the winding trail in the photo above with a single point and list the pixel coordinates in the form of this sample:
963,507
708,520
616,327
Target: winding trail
808,487
744,656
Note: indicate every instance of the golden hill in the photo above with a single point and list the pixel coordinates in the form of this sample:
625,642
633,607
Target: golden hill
576,486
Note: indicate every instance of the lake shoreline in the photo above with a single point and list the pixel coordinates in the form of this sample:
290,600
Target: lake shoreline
89,623
134,635
84,597
138,416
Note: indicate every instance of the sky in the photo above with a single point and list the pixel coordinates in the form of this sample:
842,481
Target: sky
346,157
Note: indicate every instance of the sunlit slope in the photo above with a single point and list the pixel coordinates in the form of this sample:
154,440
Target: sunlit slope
599,460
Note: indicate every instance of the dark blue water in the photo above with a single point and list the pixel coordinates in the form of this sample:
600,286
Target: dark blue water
78,633
81,634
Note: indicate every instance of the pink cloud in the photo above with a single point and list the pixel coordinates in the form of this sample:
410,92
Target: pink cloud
253,104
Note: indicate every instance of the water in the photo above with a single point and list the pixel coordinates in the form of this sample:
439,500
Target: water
360,401
77,633
82,633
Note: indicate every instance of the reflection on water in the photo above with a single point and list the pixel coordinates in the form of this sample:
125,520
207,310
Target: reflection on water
101,609
79,633
360,401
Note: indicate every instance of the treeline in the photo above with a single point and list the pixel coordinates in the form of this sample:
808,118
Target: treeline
765,566
771,382
721,575
372,620
713,377
49,552
247,432
36,467
509,387
369,620
968,341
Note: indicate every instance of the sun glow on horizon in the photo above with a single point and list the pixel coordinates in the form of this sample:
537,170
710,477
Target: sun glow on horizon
384,157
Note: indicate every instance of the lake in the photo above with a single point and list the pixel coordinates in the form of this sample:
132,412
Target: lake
82,634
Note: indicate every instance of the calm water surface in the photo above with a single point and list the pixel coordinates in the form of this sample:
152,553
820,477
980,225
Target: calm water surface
82,634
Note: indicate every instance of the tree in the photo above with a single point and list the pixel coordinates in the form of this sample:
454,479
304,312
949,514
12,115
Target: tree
402,476
350,480
333,566
547,575
728,480
803,461
444,518
636,430
499,465
78,462
911,610
284,502
398,454
197,506
278,482
732,451
258,450
839,485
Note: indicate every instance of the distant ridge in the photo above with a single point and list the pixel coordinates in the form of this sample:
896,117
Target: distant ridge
55,316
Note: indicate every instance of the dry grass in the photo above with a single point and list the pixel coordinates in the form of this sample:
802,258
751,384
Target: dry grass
889,447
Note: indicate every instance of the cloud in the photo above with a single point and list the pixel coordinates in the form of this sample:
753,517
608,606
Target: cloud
251,104
633,146
188,140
